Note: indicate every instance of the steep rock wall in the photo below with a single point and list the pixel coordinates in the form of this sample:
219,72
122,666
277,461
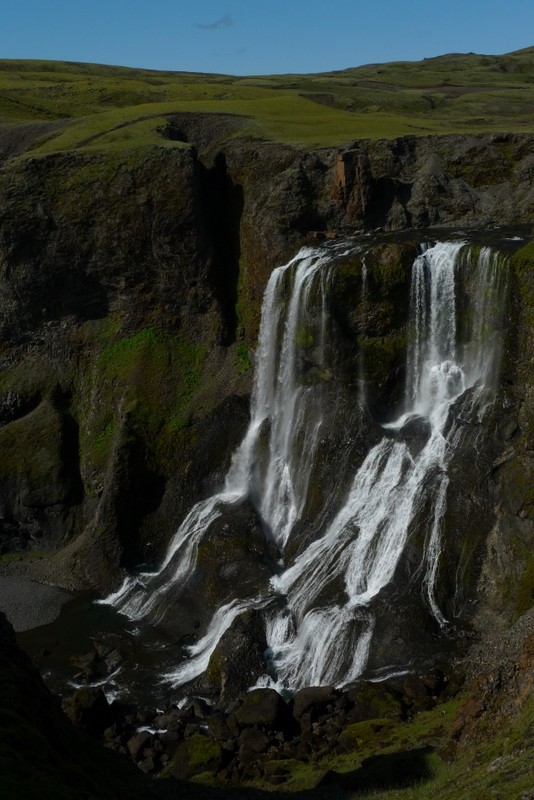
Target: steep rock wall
131,289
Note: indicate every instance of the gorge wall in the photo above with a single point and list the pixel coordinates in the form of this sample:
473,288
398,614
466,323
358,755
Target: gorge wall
131,290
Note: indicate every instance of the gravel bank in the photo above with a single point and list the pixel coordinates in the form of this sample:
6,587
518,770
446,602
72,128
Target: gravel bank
28,604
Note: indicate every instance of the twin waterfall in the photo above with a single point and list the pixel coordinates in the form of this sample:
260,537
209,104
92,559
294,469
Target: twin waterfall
324,604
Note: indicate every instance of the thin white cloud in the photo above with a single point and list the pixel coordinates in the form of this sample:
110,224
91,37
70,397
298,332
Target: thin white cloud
223,22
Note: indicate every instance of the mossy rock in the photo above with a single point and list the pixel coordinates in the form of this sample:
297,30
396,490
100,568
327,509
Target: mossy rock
233,554
31,450
196,755
149,378
263,707
374,701
238,659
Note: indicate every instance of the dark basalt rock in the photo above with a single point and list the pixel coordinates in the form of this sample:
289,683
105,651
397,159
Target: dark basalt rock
416,431
89,709
238,660
252,742
233,556
263,707
313,701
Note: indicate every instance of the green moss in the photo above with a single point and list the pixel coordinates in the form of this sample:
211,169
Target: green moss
523,263
206,779
191,358
145,383
500,768
9,558
389,264
103,441
197,755
242,357
381,355
304,337
123,356
362,733
526,254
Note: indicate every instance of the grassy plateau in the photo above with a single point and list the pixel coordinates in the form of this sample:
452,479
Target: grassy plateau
95,107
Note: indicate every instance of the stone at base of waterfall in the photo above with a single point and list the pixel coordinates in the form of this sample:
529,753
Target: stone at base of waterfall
252,743
263,707
233,552
89,709
243,742
193,755
238,660
137,743
372,701
314,701
416,430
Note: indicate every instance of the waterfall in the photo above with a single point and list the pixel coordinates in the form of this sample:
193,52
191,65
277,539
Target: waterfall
321,608
276,481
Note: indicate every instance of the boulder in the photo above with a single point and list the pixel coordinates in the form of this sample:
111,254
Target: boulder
313,701
372,701
89,709
416,430
263,707
252,742
238,660
196,754
218,728
137,743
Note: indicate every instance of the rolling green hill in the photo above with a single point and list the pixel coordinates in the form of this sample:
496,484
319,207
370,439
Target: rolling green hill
55,106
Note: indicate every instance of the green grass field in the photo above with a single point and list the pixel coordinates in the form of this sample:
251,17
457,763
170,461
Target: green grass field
93,106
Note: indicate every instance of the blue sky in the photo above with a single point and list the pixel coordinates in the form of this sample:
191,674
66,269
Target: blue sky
260,36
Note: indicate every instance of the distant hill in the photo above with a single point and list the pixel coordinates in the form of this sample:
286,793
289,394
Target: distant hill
99,106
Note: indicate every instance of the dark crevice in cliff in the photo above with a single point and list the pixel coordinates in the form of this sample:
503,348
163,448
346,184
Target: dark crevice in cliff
70,453
70,293
69,450
386,192
138,492
222,202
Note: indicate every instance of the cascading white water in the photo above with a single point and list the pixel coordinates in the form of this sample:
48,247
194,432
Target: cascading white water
274,478
320,628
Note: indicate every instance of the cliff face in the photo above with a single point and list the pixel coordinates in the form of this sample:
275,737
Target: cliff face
131,289
42,754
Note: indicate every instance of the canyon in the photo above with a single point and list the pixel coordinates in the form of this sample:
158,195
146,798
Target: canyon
133,340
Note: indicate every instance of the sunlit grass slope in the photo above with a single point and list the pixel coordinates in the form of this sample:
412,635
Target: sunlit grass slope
96,106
